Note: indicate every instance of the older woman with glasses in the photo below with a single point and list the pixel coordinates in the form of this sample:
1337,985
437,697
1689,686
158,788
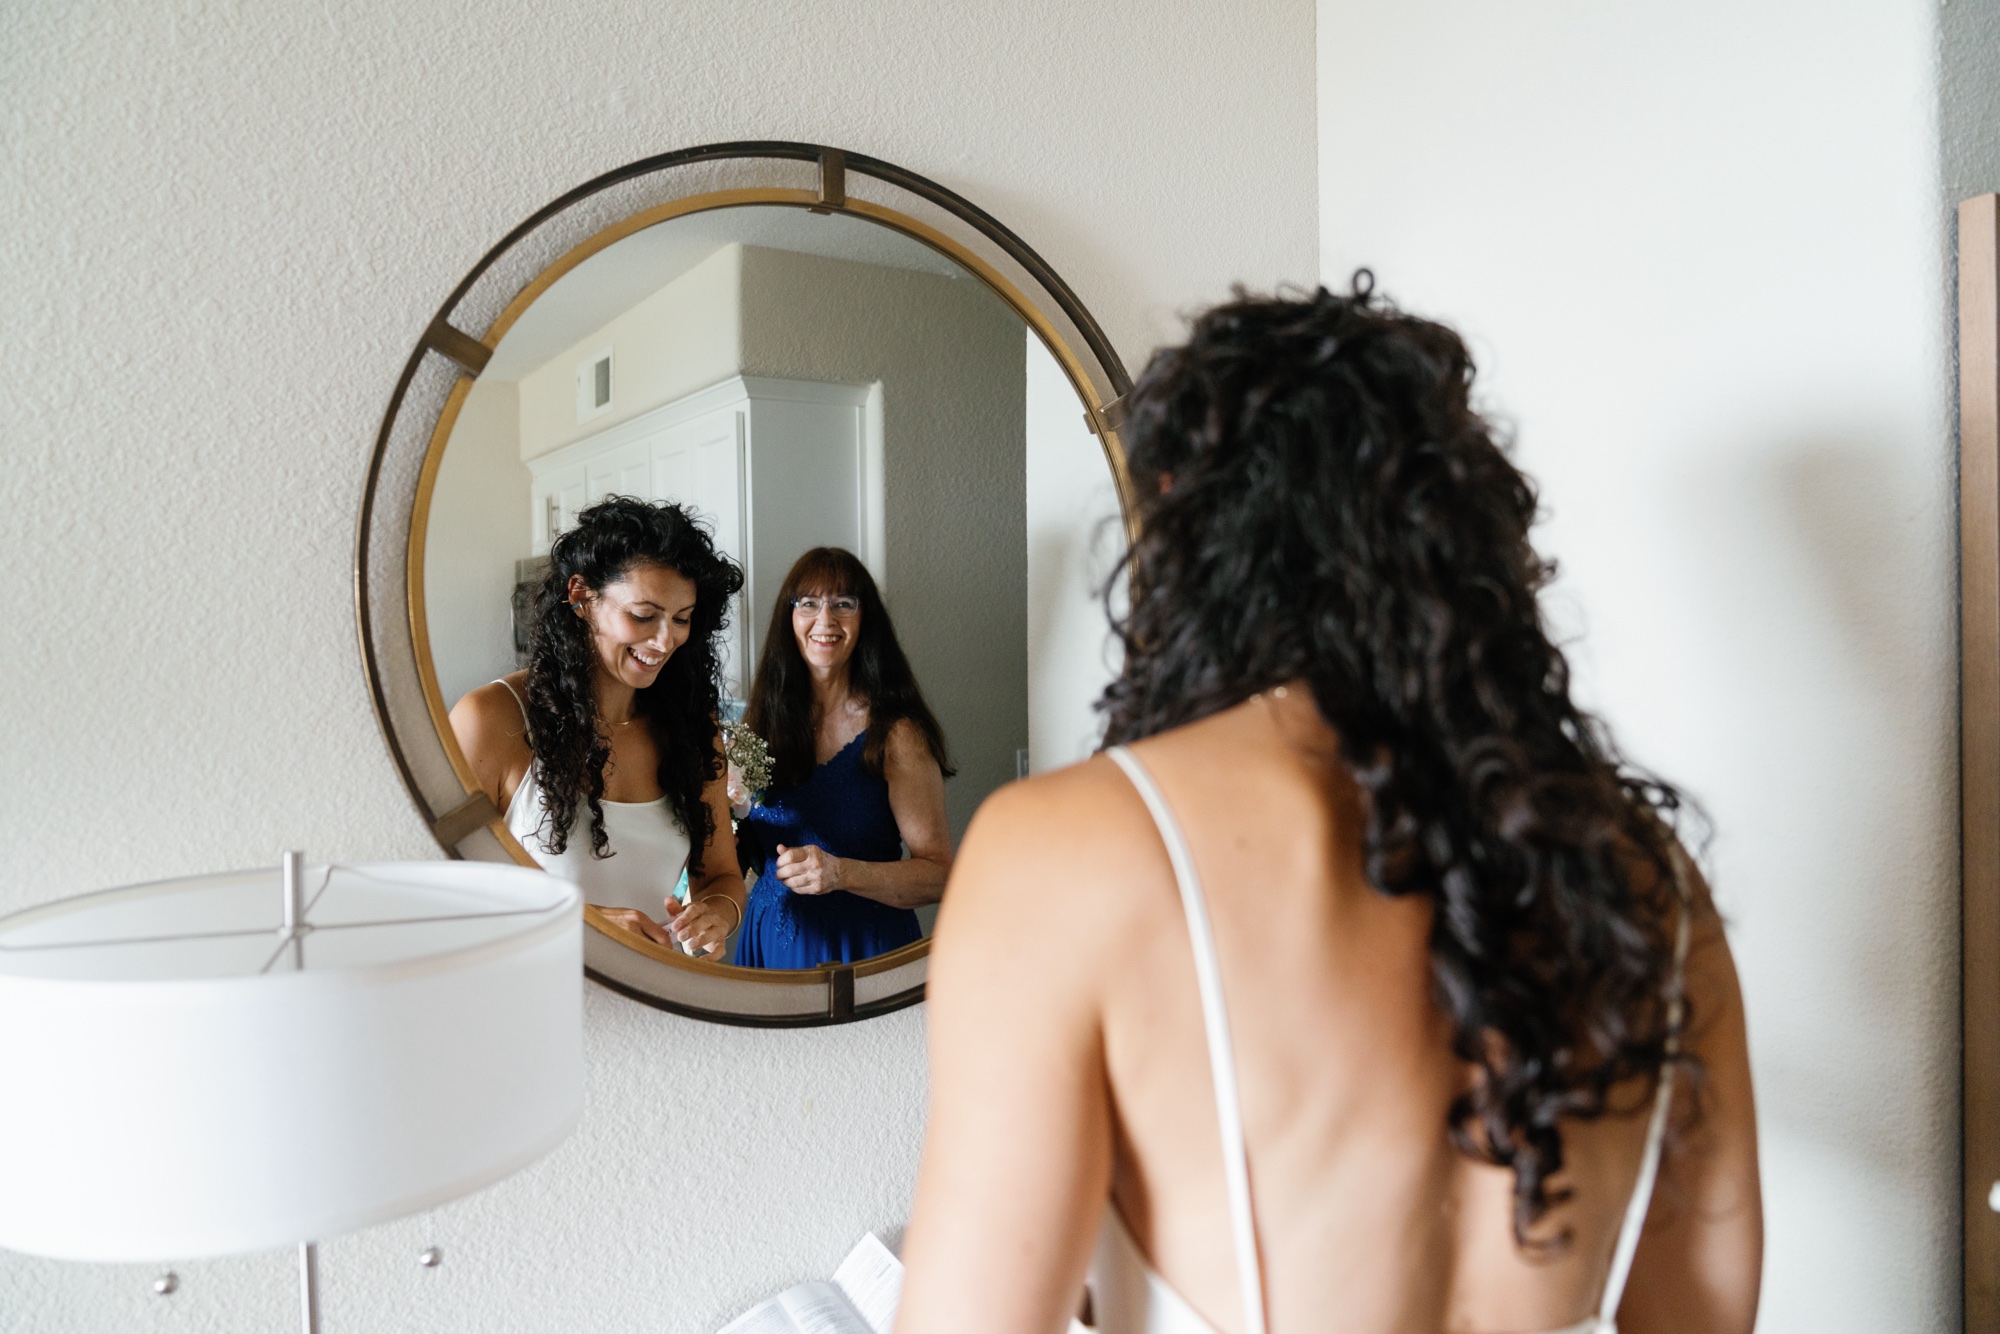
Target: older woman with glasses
858,767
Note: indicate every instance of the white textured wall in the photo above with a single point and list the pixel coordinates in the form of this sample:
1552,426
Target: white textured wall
684,337
947,355
1969,99
1074,540
222,228
480,524
1698,249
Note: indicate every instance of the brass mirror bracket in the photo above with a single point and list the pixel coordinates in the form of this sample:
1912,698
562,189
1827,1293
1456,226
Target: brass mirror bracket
832,180
459,823
1108,419
460,346
425,401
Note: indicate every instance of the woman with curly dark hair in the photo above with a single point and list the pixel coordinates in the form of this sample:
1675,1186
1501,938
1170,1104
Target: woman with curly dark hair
1473,983
857,775
605,753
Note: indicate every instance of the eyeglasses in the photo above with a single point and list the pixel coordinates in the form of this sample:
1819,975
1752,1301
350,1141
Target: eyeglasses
837,606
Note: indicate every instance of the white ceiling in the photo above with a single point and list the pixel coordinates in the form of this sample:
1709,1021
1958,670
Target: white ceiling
620,276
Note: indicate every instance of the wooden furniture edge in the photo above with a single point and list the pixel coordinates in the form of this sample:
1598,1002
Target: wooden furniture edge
1979,748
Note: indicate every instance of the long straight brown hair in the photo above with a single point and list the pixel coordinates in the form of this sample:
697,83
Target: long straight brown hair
781,697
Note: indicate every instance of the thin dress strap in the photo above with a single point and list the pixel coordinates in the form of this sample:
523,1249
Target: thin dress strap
1656,1129
1221,1056
518,701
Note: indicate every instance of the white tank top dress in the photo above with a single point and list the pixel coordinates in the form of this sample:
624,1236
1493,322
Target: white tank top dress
1129,1297
651,846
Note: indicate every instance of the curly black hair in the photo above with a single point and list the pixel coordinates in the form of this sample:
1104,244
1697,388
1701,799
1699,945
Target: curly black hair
1317,499
682,705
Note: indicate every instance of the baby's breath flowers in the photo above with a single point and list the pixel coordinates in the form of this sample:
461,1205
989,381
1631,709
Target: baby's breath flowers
746,751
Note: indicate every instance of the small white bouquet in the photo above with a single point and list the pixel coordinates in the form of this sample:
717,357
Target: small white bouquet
748,756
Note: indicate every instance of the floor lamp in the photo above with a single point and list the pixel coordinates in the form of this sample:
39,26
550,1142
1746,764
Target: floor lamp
240,1062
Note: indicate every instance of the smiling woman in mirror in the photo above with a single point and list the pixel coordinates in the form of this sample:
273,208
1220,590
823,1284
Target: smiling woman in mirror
858,770
605,753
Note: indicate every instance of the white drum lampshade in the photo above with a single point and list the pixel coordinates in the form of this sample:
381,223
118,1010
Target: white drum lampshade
240,1062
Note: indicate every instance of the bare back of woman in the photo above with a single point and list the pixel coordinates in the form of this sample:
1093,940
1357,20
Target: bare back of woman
1071,1074
1067,1045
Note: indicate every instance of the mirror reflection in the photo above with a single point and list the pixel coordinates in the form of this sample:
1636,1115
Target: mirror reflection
751,478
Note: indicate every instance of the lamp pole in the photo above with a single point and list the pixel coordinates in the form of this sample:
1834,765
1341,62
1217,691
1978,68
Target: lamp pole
309,1286
294,930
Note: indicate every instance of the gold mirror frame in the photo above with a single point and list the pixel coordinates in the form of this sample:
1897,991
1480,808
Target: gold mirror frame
455,347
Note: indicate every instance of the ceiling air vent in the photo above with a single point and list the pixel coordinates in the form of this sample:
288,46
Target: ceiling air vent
593,386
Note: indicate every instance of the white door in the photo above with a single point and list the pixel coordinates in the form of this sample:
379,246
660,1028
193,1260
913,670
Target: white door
625,472
806,488
557,499
699,464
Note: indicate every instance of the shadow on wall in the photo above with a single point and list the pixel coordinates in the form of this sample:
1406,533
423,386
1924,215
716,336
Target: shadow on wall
1819,579
1864,543
1071,651
1074,541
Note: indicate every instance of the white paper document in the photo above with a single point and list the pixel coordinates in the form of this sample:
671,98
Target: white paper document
861,1299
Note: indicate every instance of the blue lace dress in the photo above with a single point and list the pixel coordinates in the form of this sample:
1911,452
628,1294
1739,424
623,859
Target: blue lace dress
844,809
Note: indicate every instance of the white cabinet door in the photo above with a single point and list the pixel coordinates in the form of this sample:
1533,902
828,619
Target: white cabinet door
805,486
558,497
625,471
699,464
773,467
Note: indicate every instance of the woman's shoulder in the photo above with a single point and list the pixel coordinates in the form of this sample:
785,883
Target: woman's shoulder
1060,831
492,733
902,739
1051,868
1091,802
492,714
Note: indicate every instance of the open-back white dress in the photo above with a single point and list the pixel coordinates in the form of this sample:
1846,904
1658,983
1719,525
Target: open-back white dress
1129,1297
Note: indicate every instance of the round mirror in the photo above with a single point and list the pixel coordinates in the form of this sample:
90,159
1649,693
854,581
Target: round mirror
738,454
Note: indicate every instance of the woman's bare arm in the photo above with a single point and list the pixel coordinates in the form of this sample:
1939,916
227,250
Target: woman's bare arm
716,892
1017,1161
1700,1259
715,870
493,737
916,798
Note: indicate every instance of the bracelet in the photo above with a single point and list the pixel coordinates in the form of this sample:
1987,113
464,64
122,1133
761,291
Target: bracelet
711,898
